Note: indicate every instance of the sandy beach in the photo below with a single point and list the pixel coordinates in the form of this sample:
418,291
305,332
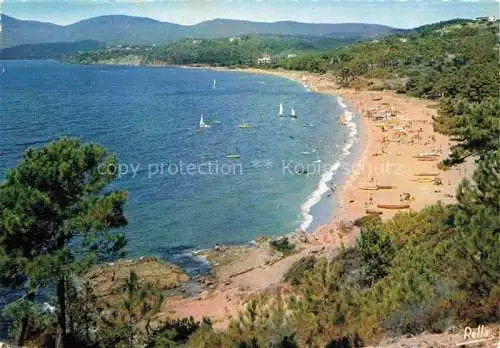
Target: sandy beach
396,168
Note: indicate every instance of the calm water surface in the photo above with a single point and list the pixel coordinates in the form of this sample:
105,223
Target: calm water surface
149,118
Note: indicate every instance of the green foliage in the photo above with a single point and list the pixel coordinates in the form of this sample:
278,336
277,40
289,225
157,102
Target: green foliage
235,51
261,322
83,309
405,227
475,126
298,268
282,245
417,272
175,332
377,251
207,337
367,220
39,318
476,241
49,50
55,198
408,296
120,326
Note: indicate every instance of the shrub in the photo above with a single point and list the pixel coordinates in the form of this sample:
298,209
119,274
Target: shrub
282,245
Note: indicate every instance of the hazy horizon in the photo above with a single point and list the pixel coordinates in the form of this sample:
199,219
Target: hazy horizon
399,14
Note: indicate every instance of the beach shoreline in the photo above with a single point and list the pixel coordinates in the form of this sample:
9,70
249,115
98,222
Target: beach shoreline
385,157
384,177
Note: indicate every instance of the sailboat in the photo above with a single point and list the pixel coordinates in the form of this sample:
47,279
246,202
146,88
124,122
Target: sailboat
280,113
214,84
202,123
293,114
3,69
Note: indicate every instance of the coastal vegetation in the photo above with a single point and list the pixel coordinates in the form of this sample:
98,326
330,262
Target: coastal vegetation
59,50
282,245
231,51
419,271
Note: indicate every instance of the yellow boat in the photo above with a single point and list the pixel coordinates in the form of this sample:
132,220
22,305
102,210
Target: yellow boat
233,156
369,188
424,180
393,206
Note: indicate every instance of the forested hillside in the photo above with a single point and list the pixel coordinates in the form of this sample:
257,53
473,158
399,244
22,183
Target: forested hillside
230,51
433,61
58,50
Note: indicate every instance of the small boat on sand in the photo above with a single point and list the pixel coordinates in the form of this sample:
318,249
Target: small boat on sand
428,154
427,158
393,206
385,187
426,174
423,180
368,188
373,212
377,187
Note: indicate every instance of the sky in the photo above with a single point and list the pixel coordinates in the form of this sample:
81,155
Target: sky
396,13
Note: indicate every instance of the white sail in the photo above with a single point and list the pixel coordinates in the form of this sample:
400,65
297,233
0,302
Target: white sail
280,113
292,112
202,123
214,84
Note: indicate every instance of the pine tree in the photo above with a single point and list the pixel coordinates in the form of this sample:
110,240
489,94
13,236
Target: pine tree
128,322
377,250
477,239
55,213
475,126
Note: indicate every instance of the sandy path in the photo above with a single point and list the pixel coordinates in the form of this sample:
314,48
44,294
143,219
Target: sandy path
383,160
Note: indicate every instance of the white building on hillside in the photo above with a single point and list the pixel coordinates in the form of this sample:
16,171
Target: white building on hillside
265,59
486,19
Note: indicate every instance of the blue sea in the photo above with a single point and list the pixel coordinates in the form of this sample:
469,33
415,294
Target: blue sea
185,193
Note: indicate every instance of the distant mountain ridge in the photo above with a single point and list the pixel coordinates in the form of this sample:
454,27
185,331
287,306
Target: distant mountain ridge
121,29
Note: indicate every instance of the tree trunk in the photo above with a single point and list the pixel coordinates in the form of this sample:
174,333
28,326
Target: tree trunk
23,328
130,335
61,315
21,333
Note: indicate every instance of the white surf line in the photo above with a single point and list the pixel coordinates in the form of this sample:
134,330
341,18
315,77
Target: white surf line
323,187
